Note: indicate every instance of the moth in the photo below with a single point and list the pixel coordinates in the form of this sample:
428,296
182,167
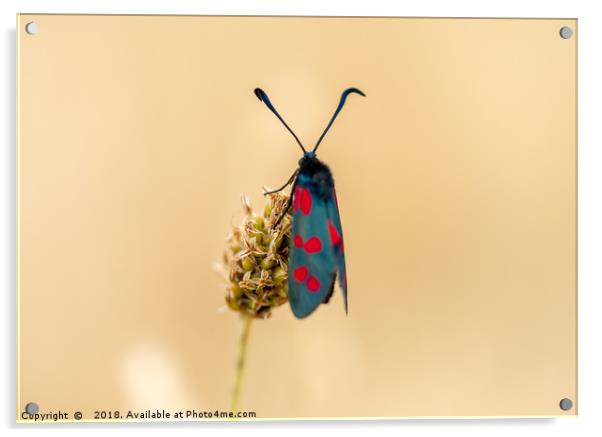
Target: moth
317,254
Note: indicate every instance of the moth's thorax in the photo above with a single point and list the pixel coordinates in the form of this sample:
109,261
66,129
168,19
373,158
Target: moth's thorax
316,175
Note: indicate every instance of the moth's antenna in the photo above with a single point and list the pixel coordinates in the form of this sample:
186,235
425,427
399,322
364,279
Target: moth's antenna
261,95
336,112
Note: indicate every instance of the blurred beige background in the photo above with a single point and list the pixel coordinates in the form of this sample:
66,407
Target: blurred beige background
456,183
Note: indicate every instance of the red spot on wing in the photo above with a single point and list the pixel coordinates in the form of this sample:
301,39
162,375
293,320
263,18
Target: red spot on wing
313,245
298,241
335,237
300,273
305,201
313,285
297,199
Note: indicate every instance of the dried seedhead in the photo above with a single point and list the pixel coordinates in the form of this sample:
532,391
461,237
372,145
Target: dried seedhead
256,259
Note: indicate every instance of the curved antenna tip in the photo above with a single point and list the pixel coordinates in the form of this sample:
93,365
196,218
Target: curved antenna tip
355,90
336,112
259,93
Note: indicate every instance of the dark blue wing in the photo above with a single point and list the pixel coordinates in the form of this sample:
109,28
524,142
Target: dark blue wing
312,260
335,231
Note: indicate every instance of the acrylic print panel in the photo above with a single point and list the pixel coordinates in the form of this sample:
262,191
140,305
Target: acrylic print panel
455,177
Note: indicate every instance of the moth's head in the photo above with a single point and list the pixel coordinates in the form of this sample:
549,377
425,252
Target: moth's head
307,156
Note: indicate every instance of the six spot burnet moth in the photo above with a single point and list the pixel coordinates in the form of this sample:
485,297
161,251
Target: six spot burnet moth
316,253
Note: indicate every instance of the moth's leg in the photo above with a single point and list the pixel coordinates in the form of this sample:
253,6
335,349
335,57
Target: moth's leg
289,202
290,180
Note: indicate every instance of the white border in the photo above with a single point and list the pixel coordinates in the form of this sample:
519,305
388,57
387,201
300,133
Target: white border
590,207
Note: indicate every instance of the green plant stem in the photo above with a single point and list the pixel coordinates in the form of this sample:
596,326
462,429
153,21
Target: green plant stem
240,365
